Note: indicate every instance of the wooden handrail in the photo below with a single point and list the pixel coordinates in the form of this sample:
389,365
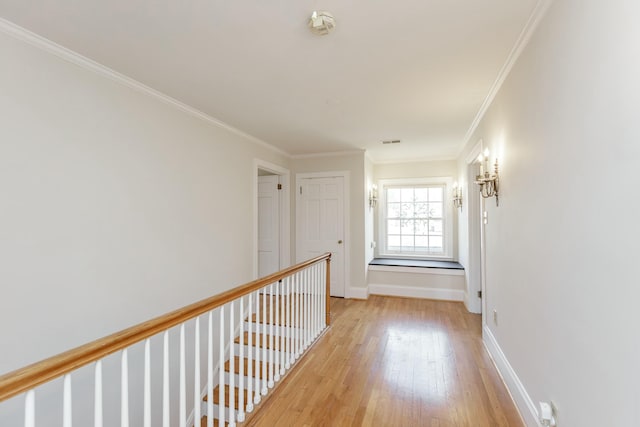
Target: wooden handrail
24,379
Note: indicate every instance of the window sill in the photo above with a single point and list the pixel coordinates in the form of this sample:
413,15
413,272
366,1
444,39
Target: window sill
416,266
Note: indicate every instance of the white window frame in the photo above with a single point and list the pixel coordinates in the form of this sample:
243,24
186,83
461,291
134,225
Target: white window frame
447,209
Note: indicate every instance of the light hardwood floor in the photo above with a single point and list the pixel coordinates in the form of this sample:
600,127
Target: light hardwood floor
393,362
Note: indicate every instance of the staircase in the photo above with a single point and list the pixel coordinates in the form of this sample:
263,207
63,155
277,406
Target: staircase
254,333
275,332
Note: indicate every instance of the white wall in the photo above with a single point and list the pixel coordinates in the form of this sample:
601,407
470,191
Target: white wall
354,163
562,246
115,207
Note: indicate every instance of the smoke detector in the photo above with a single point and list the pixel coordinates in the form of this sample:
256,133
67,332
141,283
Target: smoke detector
321,23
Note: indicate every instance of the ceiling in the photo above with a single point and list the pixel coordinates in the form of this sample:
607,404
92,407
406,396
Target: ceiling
414,70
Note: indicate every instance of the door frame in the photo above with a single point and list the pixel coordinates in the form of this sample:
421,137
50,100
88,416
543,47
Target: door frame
474,225
346,217
285,212
475,207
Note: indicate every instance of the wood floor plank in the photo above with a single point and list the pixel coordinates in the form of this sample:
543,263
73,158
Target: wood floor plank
393,362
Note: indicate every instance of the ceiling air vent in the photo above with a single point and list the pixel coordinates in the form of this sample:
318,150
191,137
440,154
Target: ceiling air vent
391,141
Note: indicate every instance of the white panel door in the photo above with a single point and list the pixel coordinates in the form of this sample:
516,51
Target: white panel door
320,225
268,225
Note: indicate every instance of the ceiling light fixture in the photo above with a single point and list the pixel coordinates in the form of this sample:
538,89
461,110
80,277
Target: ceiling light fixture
321,23
391,141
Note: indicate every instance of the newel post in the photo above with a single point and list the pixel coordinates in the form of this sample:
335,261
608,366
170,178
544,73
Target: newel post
328,286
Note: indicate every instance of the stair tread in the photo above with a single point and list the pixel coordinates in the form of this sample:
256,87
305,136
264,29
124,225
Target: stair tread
216,397
203,422
260,340
246,366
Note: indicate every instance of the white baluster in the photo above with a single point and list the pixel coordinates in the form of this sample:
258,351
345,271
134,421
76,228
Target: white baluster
210,371
297,321
124,390
197,403
323,294
183,380
232,368
147,383
166,402
278,316
271,330
287,324
306,308
30,409
221,405
302,308
250,355
316,306
97,396
241,367
66,403
320,301
310,305
312,296
265,366
312,308
257,397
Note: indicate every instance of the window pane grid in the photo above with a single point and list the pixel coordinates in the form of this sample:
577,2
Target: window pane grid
415,219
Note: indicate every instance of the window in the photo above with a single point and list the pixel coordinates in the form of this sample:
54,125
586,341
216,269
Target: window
415,218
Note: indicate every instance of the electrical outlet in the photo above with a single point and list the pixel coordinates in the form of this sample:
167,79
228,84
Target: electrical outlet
548,414
495,316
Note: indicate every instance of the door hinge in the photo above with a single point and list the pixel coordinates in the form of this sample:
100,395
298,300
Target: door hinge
279,186
301,190
479,294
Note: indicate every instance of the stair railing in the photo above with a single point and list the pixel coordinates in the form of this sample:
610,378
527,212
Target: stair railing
271,322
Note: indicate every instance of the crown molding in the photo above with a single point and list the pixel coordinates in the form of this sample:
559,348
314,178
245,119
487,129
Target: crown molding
416,160
73,57
523,39
327,154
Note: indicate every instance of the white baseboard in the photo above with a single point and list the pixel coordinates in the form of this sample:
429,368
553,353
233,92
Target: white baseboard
416,292
357,293
519,394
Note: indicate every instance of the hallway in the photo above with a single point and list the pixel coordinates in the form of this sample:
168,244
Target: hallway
394,362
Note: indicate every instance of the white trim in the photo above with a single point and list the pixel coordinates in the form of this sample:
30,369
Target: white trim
345,175
327,154
69,55
474,152
474,208
416,292
448,215
415,160
418,270
519,395
285,213
357,293
523,39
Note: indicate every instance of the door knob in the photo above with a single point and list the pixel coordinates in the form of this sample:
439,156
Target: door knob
339,242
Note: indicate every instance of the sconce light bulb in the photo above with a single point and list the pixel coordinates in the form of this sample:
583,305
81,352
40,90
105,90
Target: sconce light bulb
455,184
486,152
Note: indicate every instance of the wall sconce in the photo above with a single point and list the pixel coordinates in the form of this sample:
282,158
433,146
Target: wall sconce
373,196
487,181
457,196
